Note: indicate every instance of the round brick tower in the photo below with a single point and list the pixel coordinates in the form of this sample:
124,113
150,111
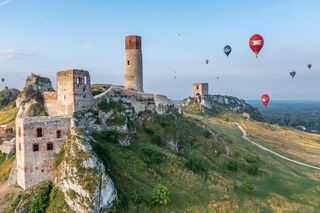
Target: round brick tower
133,64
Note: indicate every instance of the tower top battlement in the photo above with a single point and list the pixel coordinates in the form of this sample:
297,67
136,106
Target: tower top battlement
133,42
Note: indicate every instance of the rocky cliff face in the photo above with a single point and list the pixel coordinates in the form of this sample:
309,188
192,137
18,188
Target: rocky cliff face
30,100
214,104
82,178
7,96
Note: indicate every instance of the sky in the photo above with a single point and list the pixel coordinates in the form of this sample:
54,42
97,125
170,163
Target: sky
44,37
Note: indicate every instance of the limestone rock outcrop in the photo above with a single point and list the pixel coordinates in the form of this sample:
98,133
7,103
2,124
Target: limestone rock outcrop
213,104
30,100
82,177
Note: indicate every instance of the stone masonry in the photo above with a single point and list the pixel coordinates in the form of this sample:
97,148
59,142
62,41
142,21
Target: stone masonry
200,89
39,138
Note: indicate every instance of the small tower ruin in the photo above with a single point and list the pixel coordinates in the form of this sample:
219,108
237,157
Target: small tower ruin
133,64
200,89
74,92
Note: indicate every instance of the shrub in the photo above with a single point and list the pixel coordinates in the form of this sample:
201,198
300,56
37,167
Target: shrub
232,165
156,139
152,156
164,121
161,195
116,120
43,113
253,169
112,105
72,194
247,188
195,165
252,159
41,201
149,131
58,158
110,136
57,200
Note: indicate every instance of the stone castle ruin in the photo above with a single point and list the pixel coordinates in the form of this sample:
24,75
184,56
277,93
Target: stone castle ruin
200,89
46,116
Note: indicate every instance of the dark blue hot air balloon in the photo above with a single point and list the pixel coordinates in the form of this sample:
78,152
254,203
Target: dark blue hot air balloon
293,73
227,50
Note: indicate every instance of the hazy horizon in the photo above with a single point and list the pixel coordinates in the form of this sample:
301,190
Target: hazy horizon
50,36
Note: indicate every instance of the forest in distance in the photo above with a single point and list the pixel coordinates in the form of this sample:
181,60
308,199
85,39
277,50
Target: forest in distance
303,115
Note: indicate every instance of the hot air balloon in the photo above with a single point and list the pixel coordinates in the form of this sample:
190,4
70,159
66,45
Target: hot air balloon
256,43
293,73
2,79
265,99
206,61
227,50
309,66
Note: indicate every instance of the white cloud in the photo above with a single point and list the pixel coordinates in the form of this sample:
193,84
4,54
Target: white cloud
4,2
12,54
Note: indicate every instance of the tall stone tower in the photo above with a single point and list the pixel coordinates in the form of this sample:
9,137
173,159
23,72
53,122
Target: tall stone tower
74,92
133,64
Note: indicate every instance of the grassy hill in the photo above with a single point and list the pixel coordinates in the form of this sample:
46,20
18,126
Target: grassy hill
248,180
186,154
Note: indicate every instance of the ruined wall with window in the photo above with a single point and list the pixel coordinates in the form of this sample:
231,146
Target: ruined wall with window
200,89
38,139
74,92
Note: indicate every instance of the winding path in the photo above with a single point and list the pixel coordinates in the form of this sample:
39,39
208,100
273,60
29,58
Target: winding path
245,137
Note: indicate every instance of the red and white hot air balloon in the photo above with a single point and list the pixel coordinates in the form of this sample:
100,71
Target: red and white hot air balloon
256,43
309,66
265,99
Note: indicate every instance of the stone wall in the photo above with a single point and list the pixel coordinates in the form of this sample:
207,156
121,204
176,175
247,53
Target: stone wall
50,100
36,166
139,101
74,92
200,89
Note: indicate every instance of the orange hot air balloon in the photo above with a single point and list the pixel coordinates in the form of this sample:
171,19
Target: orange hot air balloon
265,99
256,43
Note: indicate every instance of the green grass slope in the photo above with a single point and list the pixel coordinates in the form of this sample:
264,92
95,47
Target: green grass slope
199,176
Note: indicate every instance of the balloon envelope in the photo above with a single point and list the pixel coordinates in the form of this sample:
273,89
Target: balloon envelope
265,99
206,61
256,43
227,50
293,73
309,66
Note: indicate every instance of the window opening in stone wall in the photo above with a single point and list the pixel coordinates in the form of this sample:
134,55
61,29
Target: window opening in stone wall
85,79
39,132
197,87
19,132
35,147
78,81
128,62
49,146
59,134
19,146
84,89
